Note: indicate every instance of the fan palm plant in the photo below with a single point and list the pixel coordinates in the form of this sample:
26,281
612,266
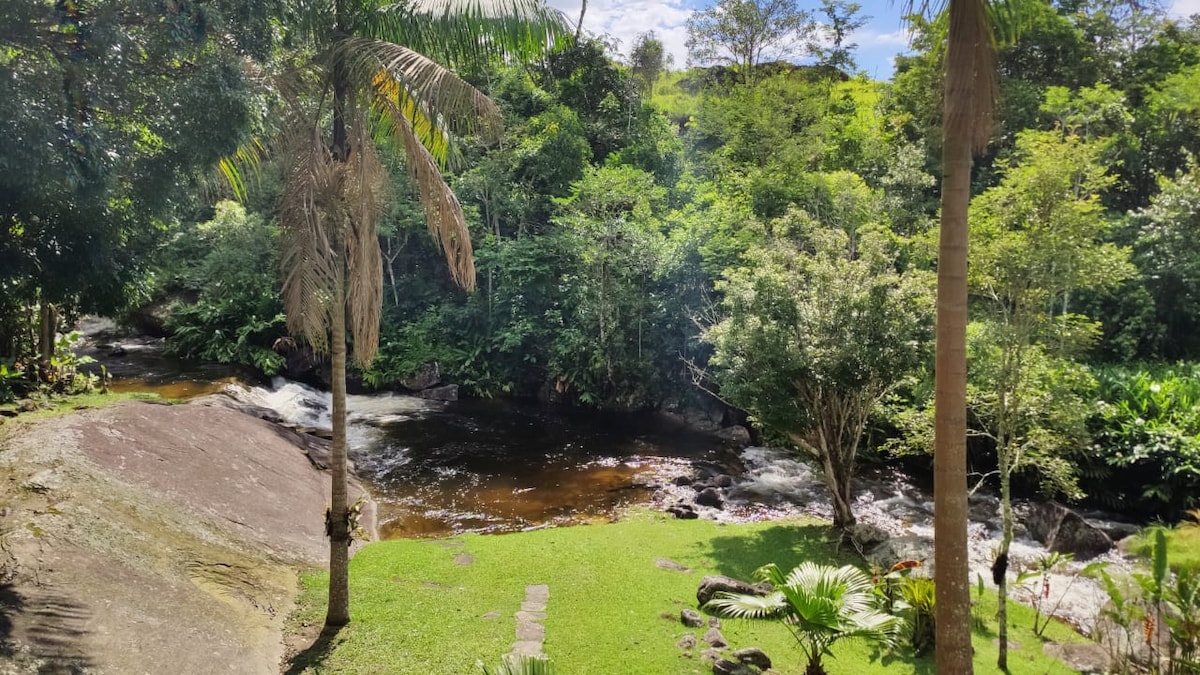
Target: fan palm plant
373,83
819,604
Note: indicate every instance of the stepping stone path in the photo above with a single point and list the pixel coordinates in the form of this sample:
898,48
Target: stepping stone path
530,631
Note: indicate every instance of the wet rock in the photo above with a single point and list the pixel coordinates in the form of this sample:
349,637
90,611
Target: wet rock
710,497
983,508
753,656
715,640
717,583
687,642
691,618
723,481
737,436
682,481
683,511
1064,531
447,392
428,375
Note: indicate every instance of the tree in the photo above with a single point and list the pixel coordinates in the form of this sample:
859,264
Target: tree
841,19
375,75
745,33
647,61
1040,239
109,112
820,328
970,75
820,604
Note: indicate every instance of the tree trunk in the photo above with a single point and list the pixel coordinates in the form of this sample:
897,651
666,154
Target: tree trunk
338,525
1005,457
837,479
47,329
953,638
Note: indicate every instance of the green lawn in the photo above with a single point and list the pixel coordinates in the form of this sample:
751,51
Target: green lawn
417,608
1183,545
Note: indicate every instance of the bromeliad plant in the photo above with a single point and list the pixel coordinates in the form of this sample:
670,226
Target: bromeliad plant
819,604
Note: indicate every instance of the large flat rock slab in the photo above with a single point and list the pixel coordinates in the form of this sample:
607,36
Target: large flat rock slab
151,538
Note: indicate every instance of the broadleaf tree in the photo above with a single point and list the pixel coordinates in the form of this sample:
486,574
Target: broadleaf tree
817,333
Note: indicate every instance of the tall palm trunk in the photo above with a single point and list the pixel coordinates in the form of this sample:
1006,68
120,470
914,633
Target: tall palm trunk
967,107
339,524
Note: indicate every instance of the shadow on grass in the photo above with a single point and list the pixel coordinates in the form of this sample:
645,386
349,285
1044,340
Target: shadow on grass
315,654
785,545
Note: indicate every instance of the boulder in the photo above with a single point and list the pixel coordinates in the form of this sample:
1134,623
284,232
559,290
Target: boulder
427,376
727,667
691,618
715,640
904,547
753,656
723,480
710,497
683,511
717,583
681,481
1064,531
447,392
736,435
865,536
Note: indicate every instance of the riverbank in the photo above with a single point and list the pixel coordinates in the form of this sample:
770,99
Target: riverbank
141,537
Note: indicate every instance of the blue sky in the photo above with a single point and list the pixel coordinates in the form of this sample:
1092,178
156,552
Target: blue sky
879,41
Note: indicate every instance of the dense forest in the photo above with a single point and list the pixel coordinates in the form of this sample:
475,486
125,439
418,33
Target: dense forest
645,238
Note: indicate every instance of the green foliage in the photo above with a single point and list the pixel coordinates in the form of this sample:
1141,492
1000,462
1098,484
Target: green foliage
520,665
819,604
1146,456
228,266
819,328
917,605
746,33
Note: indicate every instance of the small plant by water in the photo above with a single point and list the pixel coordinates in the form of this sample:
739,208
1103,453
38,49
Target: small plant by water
819,604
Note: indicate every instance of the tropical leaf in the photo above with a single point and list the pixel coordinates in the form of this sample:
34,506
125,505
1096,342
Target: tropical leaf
472,30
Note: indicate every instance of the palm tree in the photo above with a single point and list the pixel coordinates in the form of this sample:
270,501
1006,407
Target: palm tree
970,89
819,604
371,78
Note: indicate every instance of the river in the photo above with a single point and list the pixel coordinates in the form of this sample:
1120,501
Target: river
439,468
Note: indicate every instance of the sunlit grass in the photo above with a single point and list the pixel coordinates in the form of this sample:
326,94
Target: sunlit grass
612,610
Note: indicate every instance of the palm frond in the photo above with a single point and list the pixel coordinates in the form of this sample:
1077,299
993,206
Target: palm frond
365,194
443,213
434,99
310,220
514,664
473,30
770,606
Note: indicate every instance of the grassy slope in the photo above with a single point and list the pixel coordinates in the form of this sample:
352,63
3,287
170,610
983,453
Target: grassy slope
416,611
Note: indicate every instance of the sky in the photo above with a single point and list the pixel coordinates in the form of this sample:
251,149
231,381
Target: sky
879,41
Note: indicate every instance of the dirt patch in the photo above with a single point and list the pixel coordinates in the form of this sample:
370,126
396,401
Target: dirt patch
146,538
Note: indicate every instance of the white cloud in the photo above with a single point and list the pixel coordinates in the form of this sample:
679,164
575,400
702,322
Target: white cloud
626,20
1185,8
870,38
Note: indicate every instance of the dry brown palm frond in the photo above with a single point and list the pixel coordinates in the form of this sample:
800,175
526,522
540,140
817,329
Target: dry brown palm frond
443,213
428,92
365,196
310,219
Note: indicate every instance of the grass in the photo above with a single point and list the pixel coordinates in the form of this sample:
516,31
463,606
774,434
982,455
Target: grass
1183,545
612,610
673,100
59,405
